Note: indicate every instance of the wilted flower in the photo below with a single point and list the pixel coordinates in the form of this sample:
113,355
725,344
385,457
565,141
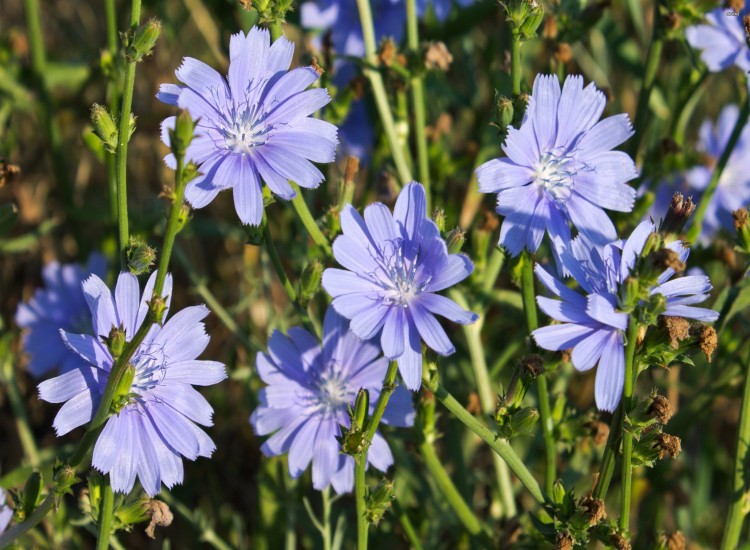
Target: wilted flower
257,126
733,189
60,304
593,324
560,168
394,265
722,40
154,425
310,387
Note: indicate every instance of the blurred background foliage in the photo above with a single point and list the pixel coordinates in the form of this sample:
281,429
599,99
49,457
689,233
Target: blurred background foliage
56,207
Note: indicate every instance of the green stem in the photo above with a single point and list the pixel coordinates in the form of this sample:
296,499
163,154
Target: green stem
360,461
738,507
326,526
687,107
174,224
123,137
418,101
379,93
649,78
627,436
545,413
473,334
285,282
708,194
276,30
36,517
609,459
306,217
106,515
113,99
23,425
500,446
515,62
406,525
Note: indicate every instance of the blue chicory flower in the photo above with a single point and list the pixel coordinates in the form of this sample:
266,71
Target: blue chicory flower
733,189
310,388
60,304
157,425
254,126
591,323
560,168
6,513
722,40
394,266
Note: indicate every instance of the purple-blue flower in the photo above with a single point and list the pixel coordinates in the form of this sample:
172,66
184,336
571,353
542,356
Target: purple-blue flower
560,168
60,304
394,266
157,424
722,40
592,323
6,512
310,387
255,126
733,189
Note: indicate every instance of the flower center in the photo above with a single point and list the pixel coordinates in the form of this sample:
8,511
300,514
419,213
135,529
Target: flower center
149,372
554,174
400,282
333,391
245,130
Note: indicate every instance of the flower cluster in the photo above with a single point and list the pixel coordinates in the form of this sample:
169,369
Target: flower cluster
155,423
560,168
60,304
721,40
395,263
253,127
592,324
311,387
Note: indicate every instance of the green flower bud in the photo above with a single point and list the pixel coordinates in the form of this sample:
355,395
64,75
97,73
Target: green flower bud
455,240
353,442
141,256
309,283
115,341
631,291
438,216
532,21
182,134
503,111
526,371
742,227
361,408
64,479
32,493
105,127
133,510
157,306
255,232
558,493
144,40
380,501
523,421
123,394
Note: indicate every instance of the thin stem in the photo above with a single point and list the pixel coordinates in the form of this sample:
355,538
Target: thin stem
708,194
285,282
276,30
687,107
406,525
545,413
113,99
649,78
738,506
627,436
500,446
106,515
123,137
418,101
515,62
306,217
360,461
326,527
379,93
174,224
609,458
22,528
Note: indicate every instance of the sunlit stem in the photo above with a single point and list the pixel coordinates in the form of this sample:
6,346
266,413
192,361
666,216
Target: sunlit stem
106,515
627,436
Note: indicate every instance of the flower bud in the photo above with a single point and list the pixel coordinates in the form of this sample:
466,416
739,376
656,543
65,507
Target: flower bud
380,501
134,509
32,493
558,494
309,282
533,20
144,40
503,115
438,216
141,256
64,479
679,212
526,371
122,394
255,233
157,306
361,408
455,240
742,227
116,341
182,134
105,127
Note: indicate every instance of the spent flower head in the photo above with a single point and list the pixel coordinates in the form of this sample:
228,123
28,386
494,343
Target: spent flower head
560,168
154,424
311,387
593,323
254,127
60,304
395,264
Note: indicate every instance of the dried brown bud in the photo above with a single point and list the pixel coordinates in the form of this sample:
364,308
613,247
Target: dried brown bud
672,20
564,541
661,408
678,328
595,510
563,52
317,68
7,172
669,259
246,4
352,167
620,542
161,516
668,445
673,541
437,56
740,219
678,214
533,365
387,53
707,339
567,354
599,432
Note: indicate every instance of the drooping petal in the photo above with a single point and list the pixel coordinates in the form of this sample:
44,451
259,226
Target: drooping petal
610,377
